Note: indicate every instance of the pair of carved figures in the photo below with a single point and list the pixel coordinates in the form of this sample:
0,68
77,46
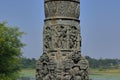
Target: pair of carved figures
74,68
60,36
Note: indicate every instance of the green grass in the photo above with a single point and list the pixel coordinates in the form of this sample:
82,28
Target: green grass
95,74
27,73
104,71
105,74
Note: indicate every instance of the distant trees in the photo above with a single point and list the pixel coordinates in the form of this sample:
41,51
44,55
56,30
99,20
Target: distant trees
94,63
10,51
28,63
103,63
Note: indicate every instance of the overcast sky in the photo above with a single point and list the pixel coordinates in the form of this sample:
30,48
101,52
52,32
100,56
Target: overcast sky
100,25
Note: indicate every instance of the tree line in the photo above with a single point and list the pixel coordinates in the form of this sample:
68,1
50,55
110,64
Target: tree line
93,63
28,62
103,63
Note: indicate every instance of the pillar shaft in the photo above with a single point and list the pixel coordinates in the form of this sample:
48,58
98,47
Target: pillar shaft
61,59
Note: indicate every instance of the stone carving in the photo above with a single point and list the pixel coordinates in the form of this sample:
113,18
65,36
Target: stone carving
60,36
84,68
61,58
64,8
39,76
73,41
51,69
67,75
75,67
42,66
79,67
47,37
75,56
63,37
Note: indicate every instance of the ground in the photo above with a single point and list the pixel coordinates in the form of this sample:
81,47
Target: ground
95,74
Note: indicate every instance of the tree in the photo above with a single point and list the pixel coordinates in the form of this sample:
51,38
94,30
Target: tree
28,62
103,63
10,50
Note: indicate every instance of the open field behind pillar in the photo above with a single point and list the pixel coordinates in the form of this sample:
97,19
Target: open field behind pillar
95,74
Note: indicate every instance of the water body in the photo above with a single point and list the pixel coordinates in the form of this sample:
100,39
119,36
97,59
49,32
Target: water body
105,77
92,77
26,78
114,78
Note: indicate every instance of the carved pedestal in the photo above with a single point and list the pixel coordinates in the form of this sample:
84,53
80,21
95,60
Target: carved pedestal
61,58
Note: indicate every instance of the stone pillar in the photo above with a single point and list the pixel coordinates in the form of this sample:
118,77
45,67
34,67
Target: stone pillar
61,58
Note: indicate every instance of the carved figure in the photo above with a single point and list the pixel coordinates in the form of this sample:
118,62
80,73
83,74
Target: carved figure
52,69
67,75
60,34
76,56
42,66
59,73
84,68
73,37
62,37
39,70
56,36
47,38
76,72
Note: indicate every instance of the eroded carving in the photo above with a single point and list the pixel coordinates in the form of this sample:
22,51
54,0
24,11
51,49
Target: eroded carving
73,35
62,59
42,66
52,70
47,37
62,9
60,36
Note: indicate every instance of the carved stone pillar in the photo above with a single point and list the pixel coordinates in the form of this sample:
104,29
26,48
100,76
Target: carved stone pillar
61,58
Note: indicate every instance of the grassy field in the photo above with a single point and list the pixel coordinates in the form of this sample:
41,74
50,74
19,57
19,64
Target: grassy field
27,73
105,74
104,71
95,74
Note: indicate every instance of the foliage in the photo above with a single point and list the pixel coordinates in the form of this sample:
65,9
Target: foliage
10,50
103,63
100,64
3,77
28,63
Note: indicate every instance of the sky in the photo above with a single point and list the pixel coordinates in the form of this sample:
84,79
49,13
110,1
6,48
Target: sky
99,20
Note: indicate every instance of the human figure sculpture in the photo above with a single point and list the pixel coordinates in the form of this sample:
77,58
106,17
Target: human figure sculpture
52,71
67,75
42,68
62,37
73,37
48,37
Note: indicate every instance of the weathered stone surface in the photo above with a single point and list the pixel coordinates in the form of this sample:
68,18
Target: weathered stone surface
61,58
62,8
